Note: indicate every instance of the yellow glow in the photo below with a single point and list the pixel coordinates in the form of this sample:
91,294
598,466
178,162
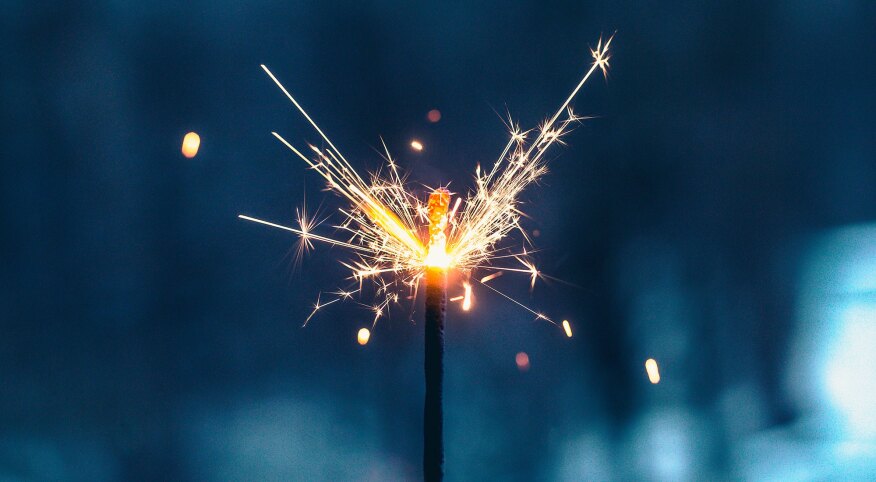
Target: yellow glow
653,371
363,336
567,328
416,145
437,257
466,298
190,145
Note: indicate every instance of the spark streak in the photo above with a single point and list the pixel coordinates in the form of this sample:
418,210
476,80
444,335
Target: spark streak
466,298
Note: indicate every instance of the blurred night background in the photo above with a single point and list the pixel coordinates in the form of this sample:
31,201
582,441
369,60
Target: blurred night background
718,215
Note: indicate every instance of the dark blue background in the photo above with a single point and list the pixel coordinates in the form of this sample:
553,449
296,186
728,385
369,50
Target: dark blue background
147,333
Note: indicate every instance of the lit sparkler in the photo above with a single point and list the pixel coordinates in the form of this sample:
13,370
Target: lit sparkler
387,228
398,241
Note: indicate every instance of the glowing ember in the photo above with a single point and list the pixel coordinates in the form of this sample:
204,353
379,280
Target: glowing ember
394,237
522,360
434,115
190,145
363,336
466,298
653,371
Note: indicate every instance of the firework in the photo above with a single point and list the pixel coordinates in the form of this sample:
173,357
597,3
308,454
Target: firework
389,231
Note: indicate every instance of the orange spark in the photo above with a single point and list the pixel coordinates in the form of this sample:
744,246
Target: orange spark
190,145
416,145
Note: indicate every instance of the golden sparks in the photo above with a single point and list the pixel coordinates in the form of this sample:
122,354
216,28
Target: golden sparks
387,228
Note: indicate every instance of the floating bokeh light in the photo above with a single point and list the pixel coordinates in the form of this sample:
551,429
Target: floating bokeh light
190,145
653,370
522,361
363,336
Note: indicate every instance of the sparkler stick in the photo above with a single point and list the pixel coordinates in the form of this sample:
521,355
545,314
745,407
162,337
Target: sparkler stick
436,300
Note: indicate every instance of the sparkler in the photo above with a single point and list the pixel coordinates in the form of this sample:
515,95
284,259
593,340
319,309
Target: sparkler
398,241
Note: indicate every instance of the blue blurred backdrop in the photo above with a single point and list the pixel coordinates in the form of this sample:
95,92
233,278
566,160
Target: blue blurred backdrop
719,216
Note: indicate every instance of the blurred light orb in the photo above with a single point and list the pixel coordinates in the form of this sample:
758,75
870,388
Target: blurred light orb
434,115
190,145
653,370
416,145
850,372
363,336
832,372
522,360
567,328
